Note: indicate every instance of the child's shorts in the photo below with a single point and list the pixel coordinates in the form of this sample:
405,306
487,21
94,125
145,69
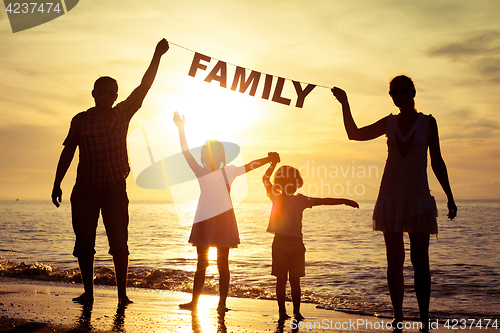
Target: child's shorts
288,257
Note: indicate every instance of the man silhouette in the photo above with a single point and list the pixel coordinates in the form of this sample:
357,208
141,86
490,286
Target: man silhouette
100,133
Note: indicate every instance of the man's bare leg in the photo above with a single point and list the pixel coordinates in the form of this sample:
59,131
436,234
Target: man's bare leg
87,271
121,271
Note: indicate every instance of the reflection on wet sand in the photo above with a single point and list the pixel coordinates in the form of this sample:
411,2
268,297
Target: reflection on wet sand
84,321
197,324
119,318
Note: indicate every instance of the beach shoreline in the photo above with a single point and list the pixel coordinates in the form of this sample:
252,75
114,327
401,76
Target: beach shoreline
39,306
345,262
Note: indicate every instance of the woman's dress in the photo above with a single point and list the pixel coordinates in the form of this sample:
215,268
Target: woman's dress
404,203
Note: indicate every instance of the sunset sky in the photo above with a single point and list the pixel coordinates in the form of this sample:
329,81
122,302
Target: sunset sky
451,49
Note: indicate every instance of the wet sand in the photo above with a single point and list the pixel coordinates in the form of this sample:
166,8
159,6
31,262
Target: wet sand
32,306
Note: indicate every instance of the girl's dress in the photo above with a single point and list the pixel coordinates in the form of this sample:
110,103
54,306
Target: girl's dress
214,221
404,202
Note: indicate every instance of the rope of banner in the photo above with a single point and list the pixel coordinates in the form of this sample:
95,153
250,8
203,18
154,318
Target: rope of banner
188,49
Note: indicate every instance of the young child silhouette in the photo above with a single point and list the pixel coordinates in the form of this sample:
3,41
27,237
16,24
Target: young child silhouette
215,222
288,250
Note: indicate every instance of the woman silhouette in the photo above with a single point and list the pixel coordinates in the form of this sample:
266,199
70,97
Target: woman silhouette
404,203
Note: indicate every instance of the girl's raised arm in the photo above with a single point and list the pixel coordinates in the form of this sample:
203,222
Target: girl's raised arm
179,122
353,132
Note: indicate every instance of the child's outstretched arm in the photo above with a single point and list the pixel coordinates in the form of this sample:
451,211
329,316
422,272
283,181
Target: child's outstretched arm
335,201
266,179
179,122
271,157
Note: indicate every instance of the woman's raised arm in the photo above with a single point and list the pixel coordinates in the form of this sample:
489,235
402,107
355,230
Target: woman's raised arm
353,132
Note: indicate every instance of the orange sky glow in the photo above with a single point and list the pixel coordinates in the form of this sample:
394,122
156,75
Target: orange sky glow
449,48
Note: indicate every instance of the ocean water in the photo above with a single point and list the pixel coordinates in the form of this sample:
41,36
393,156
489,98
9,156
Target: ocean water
345,259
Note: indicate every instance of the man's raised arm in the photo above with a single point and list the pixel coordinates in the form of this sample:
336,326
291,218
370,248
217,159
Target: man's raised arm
148,78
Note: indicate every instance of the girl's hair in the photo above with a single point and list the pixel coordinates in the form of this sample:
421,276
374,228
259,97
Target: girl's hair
405,79
287,176
213,152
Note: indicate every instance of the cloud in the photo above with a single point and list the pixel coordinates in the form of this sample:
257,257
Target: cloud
480,50
490,67
470,123
484,43
474,129
462,113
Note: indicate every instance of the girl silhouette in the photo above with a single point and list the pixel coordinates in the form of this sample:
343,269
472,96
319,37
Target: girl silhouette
214,223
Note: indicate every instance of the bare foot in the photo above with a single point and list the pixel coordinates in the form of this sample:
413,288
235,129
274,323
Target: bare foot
189,306
298,317
124,301
222,309
84,299
283,316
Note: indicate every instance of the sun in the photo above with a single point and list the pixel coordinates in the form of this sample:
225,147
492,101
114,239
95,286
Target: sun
212,112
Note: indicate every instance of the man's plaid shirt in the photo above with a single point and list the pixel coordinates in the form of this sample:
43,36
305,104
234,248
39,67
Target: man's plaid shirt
103,159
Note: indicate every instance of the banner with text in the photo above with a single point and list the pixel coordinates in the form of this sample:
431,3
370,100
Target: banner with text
241,79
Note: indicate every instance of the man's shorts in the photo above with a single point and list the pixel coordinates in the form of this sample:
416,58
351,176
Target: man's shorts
288,257
86,204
